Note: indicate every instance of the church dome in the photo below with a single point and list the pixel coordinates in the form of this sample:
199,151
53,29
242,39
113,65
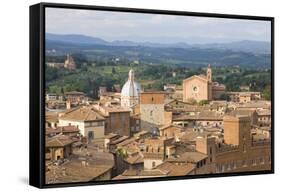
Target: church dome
131,88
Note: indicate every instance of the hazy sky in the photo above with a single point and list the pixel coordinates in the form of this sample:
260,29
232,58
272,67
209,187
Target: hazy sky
141,27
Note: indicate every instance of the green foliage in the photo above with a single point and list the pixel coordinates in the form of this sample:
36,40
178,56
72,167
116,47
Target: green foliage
122,153
93,73
267,92
225,97
192,101
203,102
113,71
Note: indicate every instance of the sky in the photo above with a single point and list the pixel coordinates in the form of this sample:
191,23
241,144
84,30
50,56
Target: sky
156,28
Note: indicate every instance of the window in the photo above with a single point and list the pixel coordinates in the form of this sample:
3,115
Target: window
234,165
254,162
261,160
244,164
153,164
228,166
195,89
217,168
244,148
90,135
100,123
151,113
204,161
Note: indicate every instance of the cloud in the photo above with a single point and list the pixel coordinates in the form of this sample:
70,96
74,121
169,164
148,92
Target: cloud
153,27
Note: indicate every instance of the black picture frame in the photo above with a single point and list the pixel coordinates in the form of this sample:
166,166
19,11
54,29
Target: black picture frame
37,92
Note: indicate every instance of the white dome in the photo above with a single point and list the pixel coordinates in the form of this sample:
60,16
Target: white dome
131,88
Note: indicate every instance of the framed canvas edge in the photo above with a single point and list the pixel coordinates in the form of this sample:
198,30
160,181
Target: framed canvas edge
41,90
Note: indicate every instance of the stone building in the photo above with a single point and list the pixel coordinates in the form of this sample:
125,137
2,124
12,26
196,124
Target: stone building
75,97
238,151
58,147
71,131
135,123
156,151
69,63
217,90
169,131
244,97
203,118
90,123
201,87
152,110
117,119
264,117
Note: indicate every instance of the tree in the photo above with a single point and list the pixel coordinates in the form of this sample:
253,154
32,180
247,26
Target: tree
224,96
203,102
122,153
267,92
113,71
191,101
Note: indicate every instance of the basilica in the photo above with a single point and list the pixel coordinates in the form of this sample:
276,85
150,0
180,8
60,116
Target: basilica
201,87
130,93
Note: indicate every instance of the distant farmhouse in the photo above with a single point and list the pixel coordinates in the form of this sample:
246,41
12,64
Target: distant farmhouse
69,63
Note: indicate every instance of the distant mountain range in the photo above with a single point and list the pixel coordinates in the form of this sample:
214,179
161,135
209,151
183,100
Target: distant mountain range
256,47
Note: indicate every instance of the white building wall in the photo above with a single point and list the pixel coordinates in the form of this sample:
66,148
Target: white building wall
148,163
85,127
152,115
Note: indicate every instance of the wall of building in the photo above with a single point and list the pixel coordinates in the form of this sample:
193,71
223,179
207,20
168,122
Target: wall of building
170,132
104,176
152,110
129,101
119,123
85,127
196,88
60,152
255,158
78,124
98,131
151,163
238,152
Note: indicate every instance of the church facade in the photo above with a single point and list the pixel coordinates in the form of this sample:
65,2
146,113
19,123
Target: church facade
70,63
201,87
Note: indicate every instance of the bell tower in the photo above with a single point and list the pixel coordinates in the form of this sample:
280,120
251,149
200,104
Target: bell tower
209,73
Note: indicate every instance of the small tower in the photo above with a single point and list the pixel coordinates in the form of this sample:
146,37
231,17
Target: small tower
237,131
69,63
209,73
